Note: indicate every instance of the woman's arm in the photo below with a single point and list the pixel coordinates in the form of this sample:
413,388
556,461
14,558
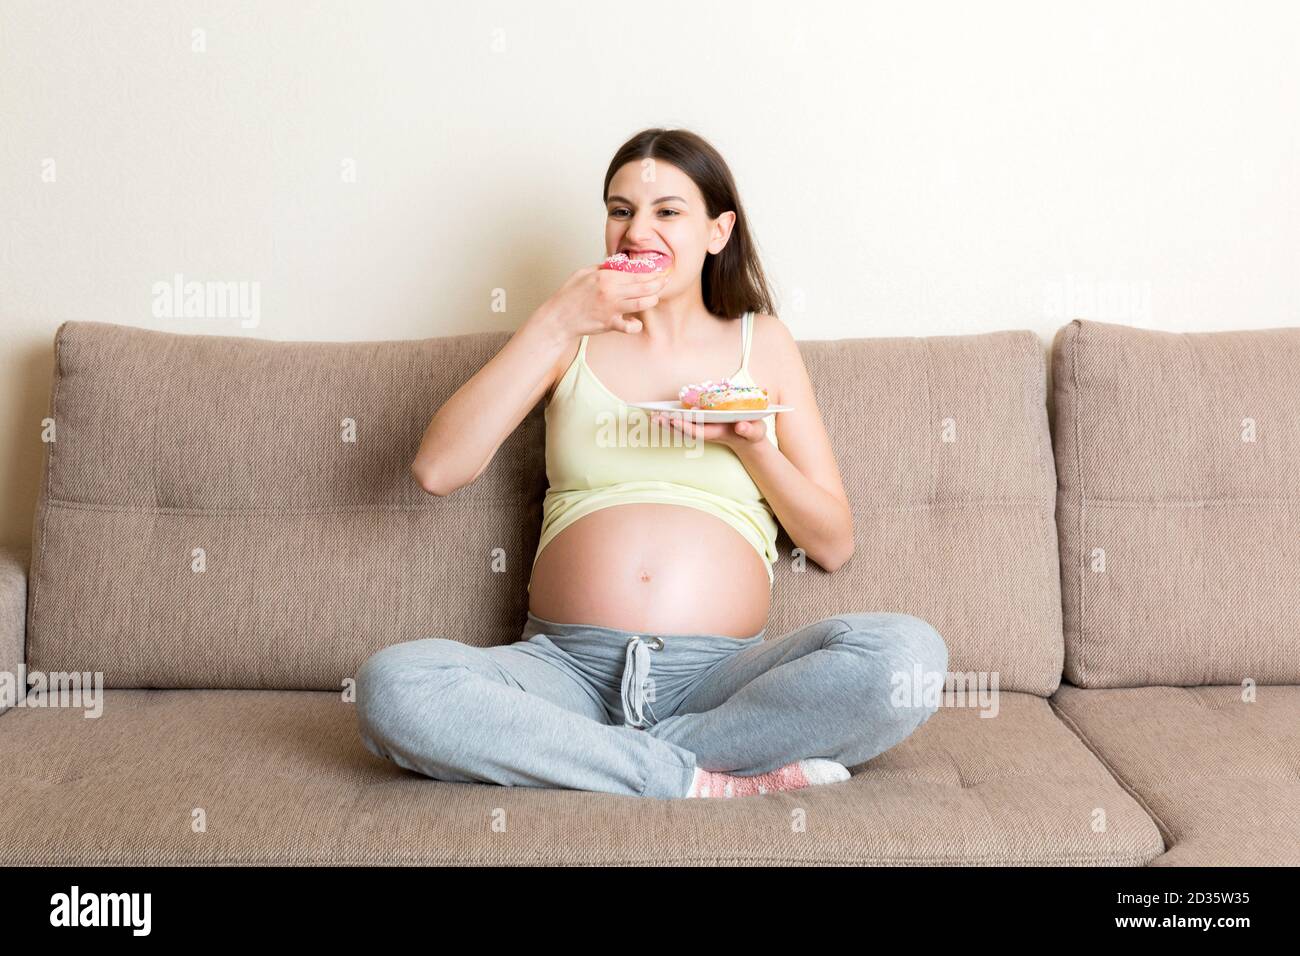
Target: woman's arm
467,430
817,519
459,442
800,480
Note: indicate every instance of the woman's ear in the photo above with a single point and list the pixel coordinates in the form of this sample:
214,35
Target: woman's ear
722,227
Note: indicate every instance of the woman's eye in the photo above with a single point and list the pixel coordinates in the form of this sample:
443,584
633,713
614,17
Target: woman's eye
673,211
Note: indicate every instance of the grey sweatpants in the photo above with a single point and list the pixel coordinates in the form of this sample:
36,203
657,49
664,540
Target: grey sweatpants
586,707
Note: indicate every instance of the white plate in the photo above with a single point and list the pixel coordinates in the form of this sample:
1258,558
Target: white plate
708,415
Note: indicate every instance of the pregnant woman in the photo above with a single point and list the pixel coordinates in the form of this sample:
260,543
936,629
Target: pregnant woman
644,667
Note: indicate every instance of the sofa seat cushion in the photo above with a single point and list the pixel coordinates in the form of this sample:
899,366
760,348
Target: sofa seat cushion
1221,776
282,777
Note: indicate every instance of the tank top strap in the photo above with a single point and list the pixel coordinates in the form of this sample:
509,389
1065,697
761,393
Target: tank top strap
582,349
746,337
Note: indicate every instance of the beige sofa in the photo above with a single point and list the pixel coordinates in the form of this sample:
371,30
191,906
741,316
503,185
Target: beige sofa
1118,595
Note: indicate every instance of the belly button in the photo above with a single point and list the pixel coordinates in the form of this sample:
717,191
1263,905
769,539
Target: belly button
645,575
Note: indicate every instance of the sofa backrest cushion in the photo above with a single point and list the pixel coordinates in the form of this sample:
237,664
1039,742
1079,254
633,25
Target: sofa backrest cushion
1178,458
205,521
235,512
945,453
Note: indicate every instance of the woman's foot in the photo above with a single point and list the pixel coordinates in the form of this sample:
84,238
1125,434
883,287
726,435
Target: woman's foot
794,776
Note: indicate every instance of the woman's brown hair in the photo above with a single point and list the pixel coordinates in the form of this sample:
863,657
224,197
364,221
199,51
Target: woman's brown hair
733,280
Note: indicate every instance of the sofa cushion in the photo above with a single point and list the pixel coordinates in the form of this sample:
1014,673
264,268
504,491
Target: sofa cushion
282,777
1219,774
318,551
1178,456
946,456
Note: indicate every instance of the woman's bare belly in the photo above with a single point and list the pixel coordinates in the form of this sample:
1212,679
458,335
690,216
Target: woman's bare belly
658,568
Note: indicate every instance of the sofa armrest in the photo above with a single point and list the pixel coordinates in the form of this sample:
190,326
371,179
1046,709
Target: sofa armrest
13,624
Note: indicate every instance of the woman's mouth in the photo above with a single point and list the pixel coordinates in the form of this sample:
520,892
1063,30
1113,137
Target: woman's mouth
646,254
645,261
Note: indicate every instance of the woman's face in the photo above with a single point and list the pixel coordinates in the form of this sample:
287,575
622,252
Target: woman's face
654,206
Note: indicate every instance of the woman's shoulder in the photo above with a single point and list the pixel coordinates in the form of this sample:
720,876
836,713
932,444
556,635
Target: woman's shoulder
770,328
772,351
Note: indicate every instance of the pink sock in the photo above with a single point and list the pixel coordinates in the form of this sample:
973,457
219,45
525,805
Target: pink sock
793,776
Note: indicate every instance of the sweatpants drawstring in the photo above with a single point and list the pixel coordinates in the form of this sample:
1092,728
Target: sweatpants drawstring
636,680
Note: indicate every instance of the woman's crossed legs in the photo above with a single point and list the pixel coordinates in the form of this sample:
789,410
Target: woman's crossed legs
550,711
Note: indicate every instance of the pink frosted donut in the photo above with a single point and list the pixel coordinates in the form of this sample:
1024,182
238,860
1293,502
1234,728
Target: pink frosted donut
644,262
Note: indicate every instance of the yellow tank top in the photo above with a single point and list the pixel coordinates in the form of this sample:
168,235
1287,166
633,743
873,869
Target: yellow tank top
600,451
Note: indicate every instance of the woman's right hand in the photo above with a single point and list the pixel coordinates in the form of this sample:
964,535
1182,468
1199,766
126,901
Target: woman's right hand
595,300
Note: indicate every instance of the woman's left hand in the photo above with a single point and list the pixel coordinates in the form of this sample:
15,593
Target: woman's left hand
735,435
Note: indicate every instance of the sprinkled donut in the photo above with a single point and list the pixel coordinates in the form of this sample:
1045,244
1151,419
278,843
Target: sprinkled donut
689,395
732,397
649,262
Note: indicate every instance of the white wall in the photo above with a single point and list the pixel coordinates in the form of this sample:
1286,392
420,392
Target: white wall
909,169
